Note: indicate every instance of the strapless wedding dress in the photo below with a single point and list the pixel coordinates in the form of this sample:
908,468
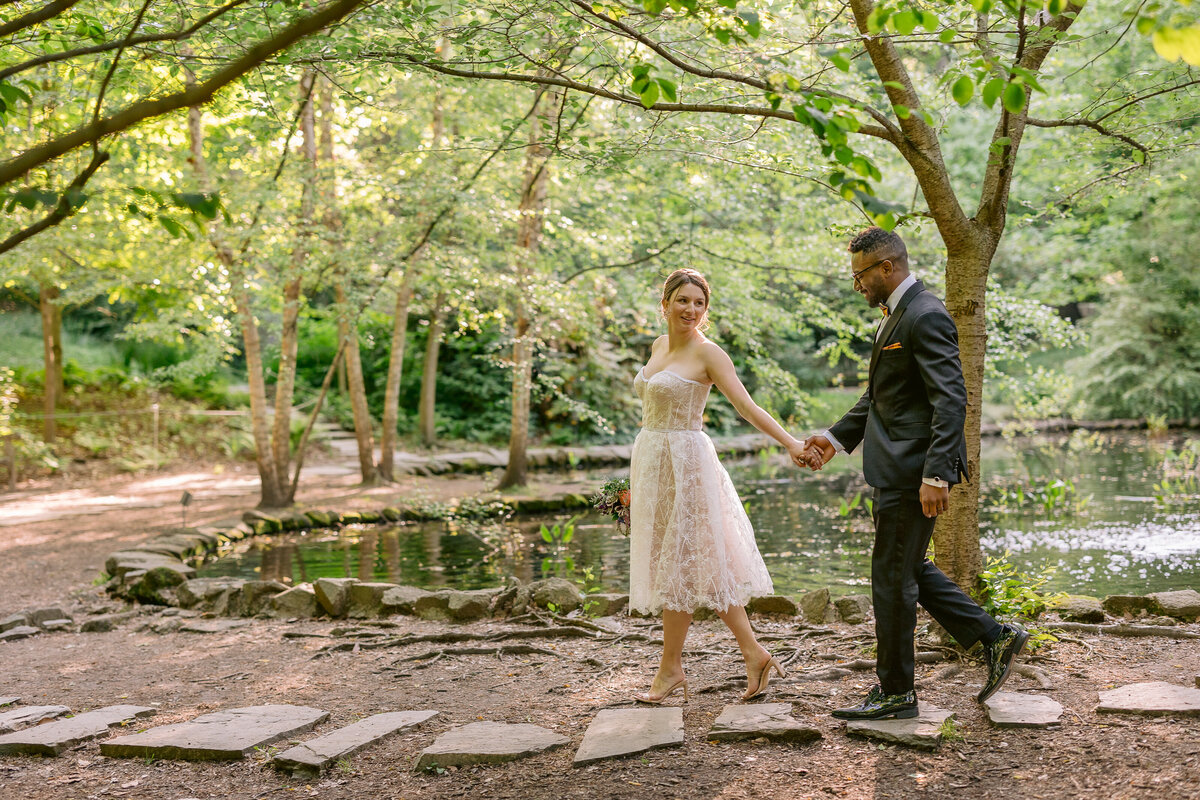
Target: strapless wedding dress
690,542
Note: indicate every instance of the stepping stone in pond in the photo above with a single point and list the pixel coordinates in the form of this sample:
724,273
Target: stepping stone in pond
214,625
29,715
488,743
308,759
1151,699
220,736
1015,710
619,732
54,737
922,731
773,721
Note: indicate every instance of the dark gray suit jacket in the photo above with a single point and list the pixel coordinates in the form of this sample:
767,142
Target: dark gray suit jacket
910,420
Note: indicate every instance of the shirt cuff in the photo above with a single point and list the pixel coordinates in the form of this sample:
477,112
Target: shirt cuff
833,441
938,482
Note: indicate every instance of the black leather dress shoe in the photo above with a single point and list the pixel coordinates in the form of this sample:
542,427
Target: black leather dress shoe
998,657
878,705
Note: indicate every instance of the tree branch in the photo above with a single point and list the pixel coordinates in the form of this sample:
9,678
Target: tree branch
919,145
723,75
1096,126
997,178
65,207
634,262
177,36
34,17
112,67
18,167
1147,96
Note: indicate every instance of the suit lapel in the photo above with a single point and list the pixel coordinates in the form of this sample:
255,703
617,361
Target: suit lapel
889,325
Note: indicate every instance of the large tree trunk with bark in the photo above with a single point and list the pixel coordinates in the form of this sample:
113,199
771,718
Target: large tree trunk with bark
347,314
426,421
391,395
532,215
289,334
273,492
956,537
51,313
391,401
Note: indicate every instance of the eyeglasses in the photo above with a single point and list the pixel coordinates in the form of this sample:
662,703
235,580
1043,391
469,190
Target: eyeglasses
861,272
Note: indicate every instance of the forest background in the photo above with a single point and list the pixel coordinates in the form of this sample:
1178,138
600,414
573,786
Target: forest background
447,223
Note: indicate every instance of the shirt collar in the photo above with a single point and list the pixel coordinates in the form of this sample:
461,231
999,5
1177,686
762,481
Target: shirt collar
894,298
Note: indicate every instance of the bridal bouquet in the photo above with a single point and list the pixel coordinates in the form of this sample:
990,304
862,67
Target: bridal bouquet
613,500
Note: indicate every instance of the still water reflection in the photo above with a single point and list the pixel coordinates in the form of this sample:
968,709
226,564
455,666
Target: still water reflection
1119,541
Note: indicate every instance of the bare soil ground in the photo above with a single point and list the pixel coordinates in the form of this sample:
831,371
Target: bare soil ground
62,534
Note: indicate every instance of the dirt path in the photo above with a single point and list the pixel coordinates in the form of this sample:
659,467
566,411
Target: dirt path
53,558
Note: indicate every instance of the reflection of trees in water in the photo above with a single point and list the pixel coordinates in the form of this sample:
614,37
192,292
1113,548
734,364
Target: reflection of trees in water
391,554
276,561
368,543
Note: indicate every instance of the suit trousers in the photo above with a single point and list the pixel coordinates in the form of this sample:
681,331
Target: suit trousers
901,577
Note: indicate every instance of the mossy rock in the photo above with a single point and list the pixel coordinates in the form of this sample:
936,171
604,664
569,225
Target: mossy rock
392,514
350,517
321,519
371,517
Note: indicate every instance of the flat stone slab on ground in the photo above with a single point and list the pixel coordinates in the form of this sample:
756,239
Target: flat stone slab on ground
773,721
923,731
8,701
625,731
213,625
19,632
488,743
1015,710
1152,699
29,715
54,737
220,736
309,758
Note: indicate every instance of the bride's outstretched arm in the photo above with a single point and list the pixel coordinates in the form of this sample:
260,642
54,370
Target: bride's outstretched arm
722,373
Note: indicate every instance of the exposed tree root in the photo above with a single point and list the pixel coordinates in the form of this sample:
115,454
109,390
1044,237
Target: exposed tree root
502,650
1043,680
1122,629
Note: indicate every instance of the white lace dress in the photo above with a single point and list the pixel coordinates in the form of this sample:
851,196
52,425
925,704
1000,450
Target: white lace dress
690,542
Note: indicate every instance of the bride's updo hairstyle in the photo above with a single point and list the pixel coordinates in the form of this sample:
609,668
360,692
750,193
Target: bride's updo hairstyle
681,277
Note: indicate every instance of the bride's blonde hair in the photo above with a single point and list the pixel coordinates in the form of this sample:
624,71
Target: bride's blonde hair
679,278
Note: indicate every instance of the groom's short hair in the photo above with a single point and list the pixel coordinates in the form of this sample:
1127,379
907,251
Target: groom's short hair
887,244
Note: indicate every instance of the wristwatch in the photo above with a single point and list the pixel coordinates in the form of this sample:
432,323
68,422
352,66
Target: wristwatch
938,482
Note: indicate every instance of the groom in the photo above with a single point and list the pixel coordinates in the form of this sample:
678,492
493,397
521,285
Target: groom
910,421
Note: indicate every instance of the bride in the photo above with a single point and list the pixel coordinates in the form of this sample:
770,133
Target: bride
691,544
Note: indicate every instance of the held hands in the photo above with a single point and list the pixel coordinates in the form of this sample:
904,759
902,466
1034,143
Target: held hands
815,453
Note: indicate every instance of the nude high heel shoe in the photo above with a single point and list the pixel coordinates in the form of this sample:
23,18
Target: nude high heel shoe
764,678
646,697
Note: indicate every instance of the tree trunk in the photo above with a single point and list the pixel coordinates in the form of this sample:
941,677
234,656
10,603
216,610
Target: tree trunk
51,313
348,333
347,315
273,493
391,401
956,537
391,395
425,410
289,339
532,214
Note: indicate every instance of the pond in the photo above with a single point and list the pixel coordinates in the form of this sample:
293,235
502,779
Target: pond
1083,504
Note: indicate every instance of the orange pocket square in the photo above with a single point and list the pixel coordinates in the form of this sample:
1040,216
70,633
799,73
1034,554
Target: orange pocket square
895,346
